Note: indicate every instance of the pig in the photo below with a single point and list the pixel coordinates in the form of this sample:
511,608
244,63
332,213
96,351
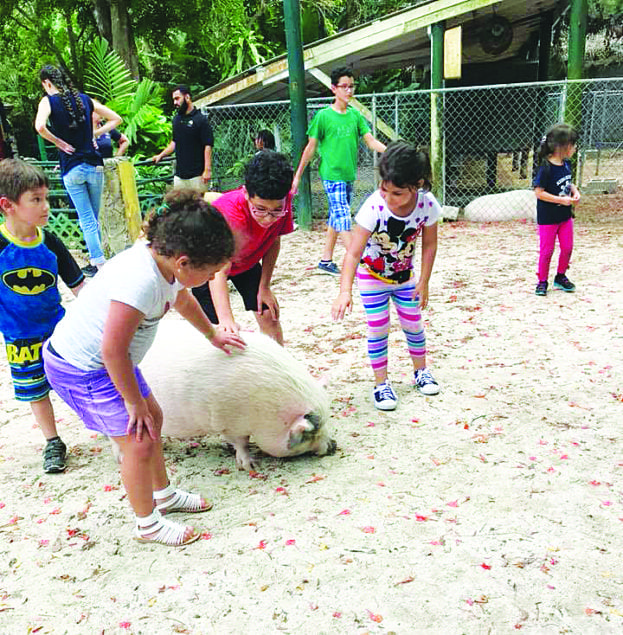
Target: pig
261,392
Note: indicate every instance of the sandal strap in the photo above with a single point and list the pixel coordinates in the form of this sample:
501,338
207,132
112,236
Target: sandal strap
179,501
155,528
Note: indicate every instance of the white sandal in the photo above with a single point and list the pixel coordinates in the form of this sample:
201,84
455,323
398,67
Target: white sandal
177,500
155,528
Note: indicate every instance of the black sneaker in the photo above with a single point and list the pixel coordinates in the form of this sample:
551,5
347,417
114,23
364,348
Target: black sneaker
541,288
329,267
562,282
54,456
89,270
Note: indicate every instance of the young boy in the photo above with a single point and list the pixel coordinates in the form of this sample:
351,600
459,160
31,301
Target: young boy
259,213
30,304
336,131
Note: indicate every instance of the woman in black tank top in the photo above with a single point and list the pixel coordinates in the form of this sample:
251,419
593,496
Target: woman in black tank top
69,113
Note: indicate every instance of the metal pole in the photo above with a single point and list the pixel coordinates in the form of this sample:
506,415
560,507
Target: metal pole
298,104
375,157
577,41
436,108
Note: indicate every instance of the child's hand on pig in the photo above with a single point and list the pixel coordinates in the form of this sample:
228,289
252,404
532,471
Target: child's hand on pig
225,340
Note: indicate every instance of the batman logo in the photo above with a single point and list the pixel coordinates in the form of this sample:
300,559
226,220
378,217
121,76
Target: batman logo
29,280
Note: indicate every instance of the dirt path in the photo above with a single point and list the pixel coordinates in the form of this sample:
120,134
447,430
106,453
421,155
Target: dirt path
496,506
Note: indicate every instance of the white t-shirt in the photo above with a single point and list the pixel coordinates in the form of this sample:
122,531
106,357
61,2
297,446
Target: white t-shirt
131,277
389,251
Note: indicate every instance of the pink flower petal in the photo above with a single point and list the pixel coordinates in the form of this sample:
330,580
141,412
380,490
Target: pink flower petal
485,566
369,530
374,617
345,512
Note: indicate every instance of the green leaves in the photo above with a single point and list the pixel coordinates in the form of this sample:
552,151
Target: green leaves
107,77
109,80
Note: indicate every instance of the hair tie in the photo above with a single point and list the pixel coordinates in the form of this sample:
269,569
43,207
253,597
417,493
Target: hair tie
162,210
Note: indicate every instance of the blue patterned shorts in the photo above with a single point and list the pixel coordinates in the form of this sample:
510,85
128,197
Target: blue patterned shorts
340,195
26,364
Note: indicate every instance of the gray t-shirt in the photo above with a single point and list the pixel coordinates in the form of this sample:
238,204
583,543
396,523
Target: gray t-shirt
131,277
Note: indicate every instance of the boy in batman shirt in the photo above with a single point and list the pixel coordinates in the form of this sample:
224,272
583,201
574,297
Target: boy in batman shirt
31,259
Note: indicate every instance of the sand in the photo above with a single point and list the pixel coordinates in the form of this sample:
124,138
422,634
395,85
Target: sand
493,507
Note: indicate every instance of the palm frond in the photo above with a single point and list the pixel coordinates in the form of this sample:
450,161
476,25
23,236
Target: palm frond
107,77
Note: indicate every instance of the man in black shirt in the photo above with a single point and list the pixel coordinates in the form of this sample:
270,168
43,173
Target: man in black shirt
192,141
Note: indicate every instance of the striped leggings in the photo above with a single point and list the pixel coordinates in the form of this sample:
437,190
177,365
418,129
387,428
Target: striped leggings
375,295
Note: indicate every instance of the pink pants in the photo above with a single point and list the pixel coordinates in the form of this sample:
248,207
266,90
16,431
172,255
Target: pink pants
547,243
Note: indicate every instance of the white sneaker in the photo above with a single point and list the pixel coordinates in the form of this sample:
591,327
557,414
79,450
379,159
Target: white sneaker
425,382
385,397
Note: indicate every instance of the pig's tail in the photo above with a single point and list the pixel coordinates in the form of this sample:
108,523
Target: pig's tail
185,224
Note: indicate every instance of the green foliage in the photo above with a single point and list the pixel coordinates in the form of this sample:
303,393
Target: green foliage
605,8
107,78
138,104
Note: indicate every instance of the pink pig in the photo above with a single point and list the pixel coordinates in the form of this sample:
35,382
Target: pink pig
262,392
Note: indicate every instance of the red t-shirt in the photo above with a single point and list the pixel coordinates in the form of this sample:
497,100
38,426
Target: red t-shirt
252,240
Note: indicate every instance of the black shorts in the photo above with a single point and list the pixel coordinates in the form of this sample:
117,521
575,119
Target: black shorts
247,284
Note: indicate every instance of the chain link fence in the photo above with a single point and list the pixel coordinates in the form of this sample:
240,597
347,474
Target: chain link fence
490,136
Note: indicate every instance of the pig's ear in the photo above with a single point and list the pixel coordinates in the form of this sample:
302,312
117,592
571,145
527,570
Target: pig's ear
300,429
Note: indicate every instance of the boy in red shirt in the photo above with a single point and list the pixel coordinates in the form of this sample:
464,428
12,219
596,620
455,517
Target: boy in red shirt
259,213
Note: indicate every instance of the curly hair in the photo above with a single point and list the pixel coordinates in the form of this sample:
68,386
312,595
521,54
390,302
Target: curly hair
404,165
187,225
268,175
75,109
17,177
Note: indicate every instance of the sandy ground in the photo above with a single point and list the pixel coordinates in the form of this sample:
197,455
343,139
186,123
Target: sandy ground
494,507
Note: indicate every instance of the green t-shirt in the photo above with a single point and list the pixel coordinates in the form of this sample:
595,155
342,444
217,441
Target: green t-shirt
338,136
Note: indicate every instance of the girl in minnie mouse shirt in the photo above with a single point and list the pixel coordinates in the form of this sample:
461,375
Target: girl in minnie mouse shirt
381,255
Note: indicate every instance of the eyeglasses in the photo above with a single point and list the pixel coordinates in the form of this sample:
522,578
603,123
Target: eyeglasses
262,213
346,86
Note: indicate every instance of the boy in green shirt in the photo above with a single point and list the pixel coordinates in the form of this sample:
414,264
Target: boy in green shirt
335,131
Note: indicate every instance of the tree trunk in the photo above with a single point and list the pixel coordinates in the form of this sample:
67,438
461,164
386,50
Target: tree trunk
101,12
123,35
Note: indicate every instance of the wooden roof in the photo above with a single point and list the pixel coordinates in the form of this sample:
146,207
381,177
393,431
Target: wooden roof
395,41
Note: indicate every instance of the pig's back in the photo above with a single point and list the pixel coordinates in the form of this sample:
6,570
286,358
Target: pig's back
202,390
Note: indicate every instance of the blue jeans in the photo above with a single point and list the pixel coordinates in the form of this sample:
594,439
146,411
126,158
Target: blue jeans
84,185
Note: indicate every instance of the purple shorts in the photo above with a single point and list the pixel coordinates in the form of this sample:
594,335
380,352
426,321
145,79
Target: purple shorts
91,394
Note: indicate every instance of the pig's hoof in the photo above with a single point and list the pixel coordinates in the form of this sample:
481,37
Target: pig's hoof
331,446
247,463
